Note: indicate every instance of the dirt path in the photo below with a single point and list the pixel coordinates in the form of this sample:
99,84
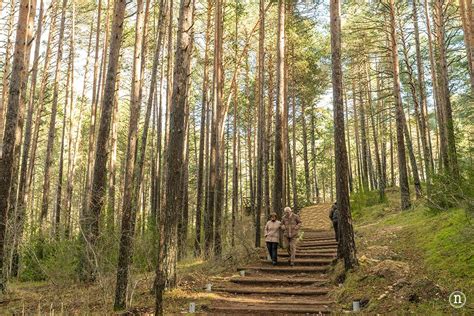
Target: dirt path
282,289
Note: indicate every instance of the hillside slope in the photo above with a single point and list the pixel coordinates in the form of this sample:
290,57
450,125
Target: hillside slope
411,260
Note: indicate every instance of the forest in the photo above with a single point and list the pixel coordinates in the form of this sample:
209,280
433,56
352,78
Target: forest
141,137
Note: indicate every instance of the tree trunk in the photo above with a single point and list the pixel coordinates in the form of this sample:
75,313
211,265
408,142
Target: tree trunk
411,83
465,7
52,123
380,185
21,207
305,154
363,138
91,216
93,117
346,247
279,178
14,114
268,136
261,120
216,191
130,195
357,138
351,187
203,131
433,73
402,165
422,116
6,71
314,156
446,125
175,157
69,99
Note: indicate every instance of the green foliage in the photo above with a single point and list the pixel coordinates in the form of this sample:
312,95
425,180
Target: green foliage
49,259
145,252
362,200
447,192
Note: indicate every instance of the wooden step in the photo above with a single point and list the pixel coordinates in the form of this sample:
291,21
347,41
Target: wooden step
320,247
278,300
273,290
278,281
315,254
305,238
304,255
268,309
304,250
291,269
319,243
303,261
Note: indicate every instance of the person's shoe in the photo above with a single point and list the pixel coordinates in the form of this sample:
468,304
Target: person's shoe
292,264
274,263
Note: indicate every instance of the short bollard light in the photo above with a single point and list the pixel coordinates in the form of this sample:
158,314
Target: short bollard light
192,307
242,272
355,306
208,287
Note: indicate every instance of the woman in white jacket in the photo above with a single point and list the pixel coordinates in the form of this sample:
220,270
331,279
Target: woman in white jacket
272,237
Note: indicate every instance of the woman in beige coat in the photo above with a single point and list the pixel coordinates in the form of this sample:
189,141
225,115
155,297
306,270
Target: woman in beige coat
272,237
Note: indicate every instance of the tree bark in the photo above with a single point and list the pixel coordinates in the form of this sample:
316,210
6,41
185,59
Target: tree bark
261,120
305,154
22,198
422,115
91,216
6,71
402,165
279,178
130,195
203,132
175,157
14,115
346,247
446,124
52,123
465,8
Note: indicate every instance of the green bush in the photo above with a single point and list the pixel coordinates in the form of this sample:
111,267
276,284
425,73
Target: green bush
43,259
364,199
447,192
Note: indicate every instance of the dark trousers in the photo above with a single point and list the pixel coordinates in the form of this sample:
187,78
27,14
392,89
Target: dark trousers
334,224
273,250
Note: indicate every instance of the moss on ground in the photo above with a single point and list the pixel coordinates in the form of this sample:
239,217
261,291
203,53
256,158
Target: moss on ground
410,261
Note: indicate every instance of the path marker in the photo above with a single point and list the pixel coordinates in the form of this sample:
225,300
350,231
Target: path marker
356,306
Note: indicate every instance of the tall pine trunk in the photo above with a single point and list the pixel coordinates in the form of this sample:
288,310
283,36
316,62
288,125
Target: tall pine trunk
261,120
14,114
279,178
130,196
402,165
91,214
346,246
203,132
175,155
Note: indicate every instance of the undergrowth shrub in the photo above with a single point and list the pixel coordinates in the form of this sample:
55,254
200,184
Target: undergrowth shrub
49,259
360,200
448,192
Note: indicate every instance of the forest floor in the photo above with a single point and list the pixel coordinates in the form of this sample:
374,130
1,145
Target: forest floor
410,261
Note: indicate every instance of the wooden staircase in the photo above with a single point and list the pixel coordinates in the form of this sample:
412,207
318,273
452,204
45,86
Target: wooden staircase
282,289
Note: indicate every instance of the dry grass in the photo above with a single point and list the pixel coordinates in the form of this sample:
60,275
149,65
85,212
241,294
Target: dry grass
69,297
